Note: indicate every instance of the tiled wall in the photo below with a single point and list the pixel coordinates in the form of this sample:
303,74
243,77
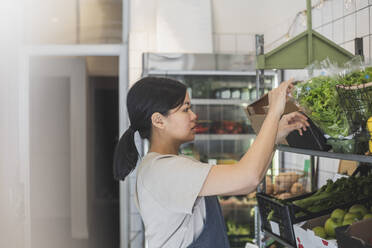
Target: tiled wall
343,21
335,19
340,21
234,43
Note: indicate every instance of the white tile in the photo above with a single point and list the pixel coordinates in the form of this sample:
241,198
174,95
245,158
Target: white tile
362,23
215,42
152,47
349,46
327,12
317,18
226,43
350,33
338,8
370,51
330,166
245,43
370,2
135,59
134,75
338,31
138,41
349,6
298,28
361,4
327,31
319,30
370,19
370,48
274,37
366,48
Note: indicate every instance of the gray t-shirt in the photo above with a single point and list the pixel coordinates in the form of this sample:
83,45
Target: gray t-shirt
167,196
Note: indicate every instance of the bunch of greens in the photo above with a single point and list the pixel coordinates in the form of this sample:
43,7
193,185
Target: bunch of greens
319,98
357,77
333,194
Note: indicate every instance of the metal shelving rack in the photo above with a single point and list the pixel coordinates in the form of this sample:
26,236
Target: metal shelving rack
298,53
351,157
224,136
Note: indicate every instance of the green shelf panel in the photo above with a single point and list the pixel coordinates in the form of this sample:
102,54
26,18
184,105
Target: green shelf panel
303,50
294,54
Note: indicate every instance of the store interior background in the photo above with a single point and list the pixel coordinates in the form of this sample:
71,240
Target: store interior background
172,26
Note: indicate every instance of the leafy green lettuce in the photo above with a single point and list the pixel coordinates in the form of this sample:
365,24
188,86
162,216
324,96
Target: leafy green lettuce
319,98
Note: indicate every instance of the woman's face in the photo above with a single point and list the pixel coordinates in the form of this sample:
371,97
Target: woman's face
181,121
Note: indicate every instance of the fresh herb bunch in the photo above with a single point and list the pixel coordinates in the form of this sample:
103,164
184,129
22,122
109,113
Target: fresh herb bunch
357,77
319,98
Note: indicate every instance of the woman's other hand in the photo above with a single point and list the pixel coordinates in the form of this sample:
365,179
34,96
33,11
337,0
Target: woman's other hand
278,97
290,122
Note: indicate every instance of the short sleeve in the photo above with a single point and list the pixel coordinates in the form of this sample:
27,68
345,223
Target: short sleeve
175,181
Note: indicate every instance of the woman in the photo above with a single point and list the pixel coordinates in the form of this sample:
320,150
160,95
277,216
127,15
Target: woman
176,195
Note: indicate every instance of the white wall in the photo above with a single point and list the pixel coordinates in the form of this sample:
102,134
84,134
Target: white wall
58,167
11,185
73,21
237,21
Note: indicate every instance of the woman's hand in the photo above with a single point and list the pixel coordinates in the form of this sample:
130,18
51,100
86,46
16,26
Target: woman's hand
278,97
290,122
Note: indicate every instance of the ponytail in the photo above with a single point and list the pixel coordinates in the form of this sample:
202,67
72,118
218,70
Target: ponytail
126,155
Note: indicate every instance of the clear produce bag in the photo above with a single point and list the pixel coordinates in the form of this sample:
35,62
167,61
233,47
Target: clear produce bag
318,99
355,91
339,101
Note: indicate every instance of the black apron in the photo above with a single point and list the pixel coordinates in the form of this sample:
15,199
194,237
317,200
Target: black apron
214,234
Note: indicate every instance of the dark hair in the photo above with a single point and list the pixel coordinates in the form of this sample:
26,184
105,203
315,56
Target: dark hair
145,97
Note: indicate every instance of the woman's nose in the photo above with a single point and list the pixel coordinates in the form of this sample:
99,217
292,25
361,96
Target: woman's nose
193,115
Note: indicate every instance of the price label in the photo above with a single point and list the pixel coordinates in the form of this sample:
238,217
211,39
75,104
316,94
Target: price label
275,228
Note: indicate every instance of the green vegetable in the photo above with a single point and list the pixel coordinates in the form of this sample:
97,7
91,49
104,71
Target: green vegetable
233,229
320,100
333,194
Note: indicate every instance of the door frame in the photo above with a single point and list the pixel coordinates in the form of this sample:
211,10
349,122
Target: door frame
119,50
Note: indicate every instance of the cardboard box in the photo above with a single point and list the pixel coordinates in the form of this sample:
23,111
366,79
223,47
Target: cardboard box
257,111
357,235
312,138
305,237
347,167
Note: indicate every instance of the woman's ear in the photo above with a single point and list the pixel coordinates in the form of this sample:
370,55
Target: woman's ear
157,120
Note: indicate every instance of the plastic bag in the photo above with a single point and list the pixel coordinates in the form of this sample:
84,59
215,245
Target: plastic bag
339,101
318,99
355,90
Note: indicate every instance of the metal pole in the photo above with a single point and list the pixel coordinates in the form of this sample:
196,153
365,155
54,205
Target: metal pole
309,33
313,176
259,73
259,82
